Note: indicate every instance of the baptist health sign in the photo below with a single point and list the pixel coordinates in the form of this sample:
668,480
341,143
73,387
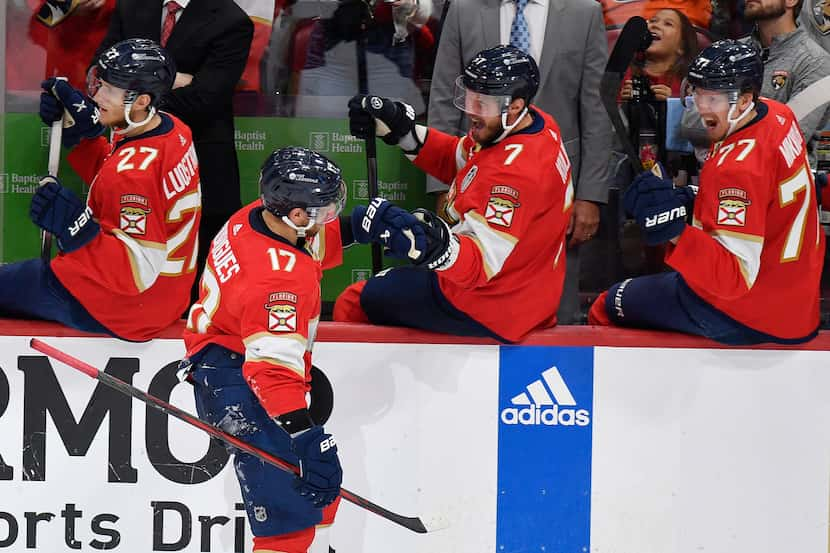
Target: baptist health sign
521,449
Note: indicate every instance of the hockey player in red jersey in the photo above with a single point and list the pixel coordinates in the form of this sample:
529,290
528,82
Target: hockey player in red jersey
747,269
499,270
249,340
126,258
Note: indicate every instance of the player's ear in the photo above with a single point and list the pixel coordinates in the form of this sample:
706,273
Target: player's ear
745,100
298,216
516,106
143,101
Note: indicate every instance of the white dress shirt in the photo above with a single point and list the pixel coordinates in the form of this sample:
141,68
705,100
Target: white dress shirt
536,14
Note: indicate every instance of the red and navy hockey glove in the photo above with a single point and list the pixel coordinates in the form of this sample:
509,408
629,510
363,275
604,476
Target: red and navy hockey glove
81,112
320,472
658,207
384,223
58,210
442,245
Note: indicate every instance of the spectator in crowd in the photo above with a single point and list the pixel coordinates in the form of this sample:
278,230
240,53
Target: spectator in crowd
499,271
568,39
665,62
329,65
75,29
126,261
747,269
815,18
209,41
792,60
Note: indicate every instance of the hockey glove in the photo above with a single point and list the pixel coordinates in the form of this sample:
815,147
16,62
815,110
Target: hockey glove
320,471
659,209
397,230
393,120
442,245
81,112
58,210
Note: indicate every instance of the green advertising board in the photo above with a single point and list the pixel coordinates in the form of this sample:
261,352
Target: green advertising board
26,152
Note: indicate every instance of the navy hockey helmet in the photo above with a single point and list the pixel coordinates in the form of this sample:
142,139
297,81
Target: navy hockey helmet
500,74
137,65
727,65
298,177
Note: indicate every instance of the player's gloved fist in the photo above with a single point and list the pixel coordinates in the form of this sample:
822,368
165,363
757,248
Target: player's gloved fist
82,116
320,471
658,207
58,210
442,245
397,230
393,120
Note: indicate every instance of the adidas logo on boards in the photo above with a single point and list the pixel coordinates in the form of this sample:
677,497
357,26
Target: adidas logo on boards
542,410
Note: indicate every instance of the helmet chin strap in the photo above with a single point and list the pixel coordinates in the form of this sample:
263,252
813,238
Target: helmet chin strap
151,111
508,128
300,230
733,123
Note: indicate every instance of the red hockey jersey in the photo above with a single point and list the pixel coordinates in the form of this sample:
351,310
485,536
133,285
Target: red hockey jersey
135,276
260,297
755,250
512,201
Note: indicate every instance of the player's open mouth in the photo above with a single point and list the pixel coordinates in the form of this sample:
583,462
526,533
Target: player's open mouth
710,122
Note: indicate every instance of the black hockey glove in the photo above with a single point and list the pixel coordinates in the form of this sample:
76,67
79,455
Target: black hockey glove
393,120
399,232
320,472
442,246
658,207
81,112
58,210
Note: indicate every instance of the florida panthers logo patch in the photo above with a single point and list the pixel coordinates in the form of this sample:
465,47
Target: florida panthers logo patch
134,211
732,207
779,79
282,312
821,16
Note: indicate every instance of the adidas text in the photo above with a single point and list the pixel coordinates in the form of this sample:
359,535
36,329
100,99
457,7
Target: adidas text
533,415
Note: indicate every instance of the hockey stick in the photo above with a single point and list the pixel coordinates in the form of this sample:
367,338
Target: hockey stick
411,523
52,168
633,37
371,145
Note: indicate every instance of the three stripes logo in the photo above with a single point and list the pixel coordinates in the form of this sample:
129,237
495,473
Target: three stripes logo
536,407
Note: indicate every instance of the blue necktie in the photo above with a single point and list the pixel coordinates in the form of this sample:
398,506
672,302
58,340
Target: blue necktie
519,33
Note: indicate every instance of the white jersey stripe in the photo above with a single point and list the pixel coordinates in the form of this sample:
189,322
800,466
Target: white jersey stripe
746,249
495,246
285,350
146,259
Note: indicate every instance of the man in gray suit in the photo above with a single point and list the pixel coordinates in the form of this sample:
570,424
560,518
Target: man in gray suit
568,38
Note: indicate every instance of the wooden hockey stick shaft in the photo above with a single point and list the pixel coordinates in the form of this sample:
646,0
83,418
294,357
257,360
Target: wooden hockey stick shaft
52,167
414,524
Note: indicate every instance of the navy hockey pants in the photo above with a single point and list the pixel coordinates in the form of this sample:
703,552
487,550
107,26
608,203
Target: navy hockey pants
665,302
30,290
411,297
224,399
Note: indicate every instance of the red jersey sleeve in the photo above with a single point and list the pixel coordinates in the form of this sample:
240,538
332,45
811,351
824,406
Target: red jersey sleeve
721,252
275,330
442,155
88,156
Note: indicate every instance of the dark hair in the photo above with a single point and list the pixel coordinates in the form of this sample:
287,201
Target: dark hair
688,41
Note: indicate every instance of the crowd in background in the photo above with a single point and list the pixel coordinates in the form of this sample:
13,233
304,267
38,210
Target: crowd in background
297,58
